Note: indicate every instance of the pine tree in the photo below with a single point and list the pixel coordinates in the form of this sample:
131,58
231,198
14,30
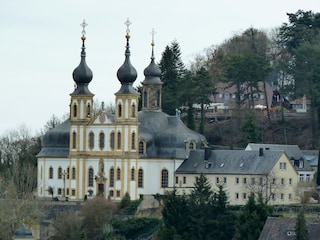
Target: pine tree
318,170
301,227
173,72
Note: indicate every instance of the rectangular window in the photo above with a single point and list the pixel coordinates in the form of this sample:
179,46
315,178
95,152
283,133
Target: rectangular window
301,177
73,192
177,180
237,195
281,167
273,181
224,180
244,196
67,191
282,196
111,193
244,180
261,181
237,180
284,166
308,178
253,181
59,191
282,181
184,180
290,181
217,179
273,197
118,193
290,196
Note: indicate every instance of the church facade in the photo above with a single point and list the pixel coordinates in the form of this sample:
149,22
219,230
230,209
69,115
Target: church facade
130,151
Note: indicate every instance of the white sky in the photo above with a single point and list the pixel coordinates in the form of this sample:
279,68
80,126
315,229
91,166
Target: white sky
40,44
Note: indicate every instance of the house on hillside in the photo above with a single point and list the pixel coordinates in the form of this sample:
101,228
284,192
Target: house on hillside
283,228
226,95
241,172
297,158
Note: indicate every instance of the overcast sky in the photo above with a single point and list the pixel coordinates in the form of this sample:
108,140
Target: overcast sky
40,44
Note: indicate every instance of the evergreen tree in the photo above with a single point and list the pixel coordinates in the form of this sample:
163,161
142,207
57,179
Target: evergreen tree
203,89
173,72
250,129
301,227
252,218
318,170
175,217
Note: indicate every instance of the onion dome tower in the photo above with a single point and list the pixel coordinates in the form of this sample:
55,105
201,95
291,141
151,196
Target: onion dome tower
152,85
127,96
81,98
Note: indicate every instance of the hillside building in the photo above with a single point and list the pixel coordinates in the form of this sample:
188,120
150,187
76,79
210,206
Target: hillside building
240,172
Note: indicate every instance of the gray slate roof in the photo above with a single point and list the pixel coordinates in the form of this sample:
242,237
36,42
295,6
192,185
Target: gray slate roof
281,228
293,152
230,162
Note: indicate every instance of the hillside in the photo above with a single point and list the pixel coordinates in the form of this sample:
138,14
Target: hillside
294,130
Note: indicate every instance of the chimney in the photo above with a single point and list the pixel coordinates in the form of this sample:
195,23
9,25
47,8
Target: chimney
207,153
260,152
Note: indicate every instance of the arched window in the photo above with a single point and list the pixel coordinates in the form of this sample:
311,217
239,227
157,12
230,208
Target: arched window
74,110
73,173
119,110
91,140
88,110
111,176
112,140
59,173
140,178
141,147
119,140
164,178
132,174
101,140
50,172
90,177
133,110
145,99
191,146
74,140
158,98
133,140
118,173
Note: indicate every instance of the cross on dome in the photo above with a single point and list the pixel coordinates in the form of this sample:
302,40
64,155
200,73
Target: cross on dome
83,25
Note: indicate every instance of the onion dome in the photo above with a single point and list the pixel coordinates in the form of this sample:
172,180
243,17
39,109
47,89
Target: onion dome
152,73
127,74
82,75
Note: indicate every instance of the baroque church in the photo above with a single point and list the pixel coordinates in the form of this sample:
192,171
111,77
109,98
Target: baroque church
129,151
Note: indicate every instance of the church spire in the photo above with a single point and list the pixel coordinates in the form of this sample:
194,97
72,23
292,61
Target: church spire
151,99
82,75
127,74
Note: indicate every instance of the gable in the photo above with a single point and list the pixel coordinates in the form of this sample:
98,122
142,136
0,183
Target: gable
102,118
